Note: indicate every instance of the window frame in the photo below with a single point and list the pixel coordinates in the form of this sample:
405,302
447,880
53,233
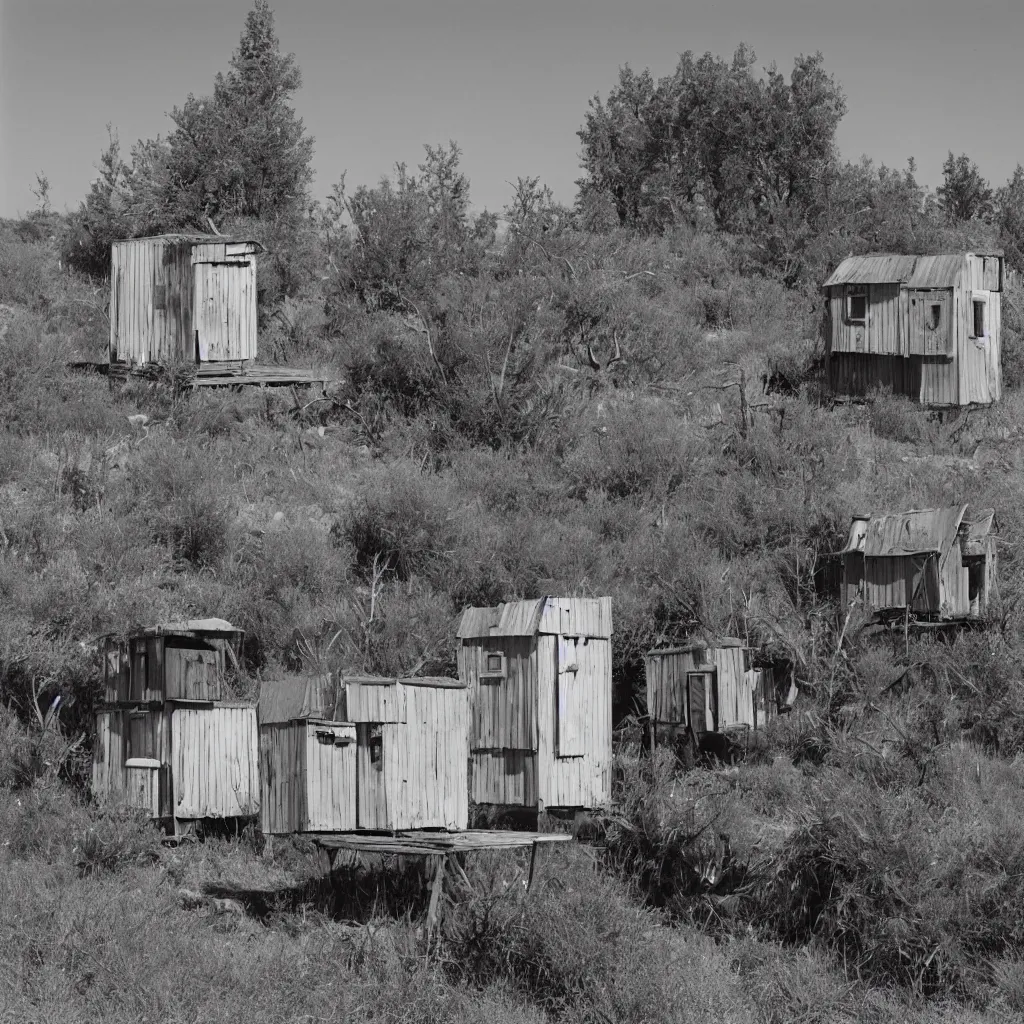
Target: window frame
493,675
856,292
976,301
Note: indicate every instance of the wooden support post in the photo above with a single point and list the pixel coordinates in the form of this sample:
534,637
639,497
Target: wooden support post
440,862
533,863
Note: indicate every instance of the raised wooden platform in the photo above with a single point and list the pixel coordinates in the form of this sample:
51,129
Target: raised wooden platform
423,843
226,374
438,845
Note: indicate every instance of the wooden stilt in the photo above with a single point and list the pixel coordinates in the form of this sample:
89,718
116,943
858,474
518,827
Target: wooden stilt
440,862
533,863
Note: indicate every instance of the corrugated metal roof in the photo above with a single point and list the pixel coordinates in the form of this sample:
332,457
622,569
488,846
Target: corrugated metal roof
872,270
514,618
710,645
559,616
979,526
937,271
913,271
919,531
294,697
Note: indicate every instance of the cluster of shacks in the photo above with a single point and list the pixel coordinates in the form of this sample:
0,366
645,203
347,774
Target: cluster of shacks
529,719
526,726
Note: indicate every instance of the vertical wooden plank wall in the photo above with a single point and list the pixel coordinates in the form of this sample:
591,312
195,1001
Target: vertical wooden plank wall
584,780
282,778
330,778
425,765
214,762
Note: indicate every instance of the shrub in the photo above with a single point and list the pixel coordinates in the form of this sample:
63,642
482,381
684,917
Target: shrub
116,838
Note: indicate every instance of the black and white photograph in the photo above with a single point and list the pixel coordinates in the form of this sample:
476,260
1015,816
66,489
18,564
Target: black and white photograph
511,513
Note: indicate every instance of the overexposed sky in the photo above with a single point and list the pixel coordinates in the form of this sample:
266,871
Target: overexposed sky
509,81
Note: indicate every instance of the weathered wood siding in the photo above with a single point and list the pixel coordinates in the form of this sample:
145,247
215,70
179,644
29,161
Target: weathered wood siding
214,762
729,700
880,333
150,301
123,734
582,780
179,299
505,777
897,348
892,583
330,777
504,708
425,760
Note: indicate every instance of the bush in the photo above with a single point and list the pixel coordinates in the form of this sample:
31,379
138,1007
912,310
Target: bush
116,838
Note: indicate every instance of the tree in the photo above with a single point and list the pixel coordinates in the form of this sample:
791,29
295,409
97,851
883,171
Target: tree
964,194
1011,218
244,151
713,134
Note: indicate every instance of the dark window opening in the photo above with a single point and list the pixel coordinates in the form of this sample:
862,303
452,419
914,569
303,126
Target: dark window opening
141,735
979,318
494,662
858,308
375,741
159,296
934,317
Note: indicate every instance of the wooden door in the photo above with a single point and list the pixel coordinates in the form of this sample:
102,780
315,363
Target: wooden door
931,323
225,311
371,798
330,777
702,696
571,721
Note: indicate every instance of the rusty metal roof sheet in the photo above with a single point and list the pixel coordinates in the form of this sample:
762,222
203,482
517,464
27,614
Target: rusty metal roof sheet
919,531
942,271
296,696
564,616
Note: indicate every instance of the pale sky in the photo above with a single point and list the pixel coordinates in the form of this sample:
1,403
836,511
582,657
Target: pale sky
509,81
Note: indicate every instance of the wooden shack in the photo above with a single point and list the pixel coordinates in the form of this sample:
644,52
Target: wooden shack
711,687
927,327
934,564
540,682
167,740
363,753
183,298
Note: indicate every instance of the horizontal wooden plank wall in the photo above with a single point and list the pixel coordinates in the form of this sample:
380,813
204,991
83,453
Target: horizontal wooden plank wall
215,762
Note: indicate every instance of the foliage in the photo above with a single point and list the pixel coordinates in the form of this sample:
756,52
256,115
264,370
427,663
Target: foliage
964,194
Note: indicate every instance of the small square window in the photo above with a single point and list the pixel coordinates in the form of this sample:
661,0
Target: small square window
492,668
857,307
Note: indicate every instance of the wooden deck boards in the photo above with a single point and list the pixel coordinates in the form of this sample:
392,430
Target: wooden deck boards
413,843
221,374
